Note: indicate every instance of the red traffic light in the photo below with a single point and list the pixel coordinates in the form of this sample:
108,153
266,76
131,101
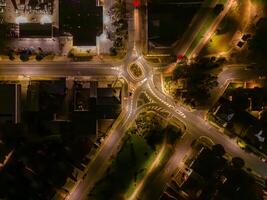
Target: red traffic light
136,4
180,57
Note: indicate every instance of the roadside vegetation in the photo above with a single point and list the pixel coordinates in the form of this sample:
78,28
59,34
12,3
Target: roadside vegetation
80,56
136,70
25,55
212,14
221,178
258,43
46,153
192,83
220,41
145,140
118,32
241,112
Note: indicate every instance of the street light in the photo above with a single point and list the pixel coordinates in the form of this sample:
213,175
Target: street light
21,20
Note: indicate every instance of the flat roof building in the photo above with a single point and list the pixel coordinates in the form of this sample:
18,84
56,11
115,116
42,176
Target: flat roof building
35,30
83,19
161,15
104,103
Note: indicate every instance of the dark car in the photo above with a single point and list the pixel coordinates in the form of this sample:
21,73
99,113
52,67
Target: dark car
250,67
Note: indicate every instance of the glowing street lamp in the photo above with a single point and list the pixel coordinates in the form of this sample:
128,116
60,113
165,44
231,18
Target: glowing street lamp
45,19
21,20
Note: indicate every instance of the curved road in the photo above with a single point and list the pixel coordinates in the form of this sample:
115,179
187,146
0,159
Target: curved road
196,125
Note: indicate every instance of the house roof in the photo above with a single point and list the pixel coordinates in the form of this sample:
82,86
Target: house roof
7,99
31,30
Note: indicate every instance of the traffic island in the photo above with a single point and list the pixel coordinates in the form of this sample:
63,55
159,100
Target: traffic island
136,71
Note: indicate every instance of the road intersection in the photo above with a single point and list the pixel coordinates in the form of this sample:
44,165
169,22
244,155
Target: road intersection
195,124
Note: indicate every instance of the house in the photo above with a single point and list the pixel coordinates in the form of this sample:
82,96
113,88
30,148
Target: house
108,103
104,102
35,30
10,103
161,15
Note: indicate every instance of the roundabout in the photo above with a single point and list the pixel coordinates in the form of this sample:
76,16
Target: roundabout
136,71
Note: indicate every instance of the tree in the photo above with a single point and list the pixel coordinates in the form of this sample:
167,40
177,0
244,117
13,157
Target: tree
150,126
24,57
218,8
147,123
119,24
39,56
173,134
180,72
209,82
71,53
154,138
113,51
198,83
258,43
238,162
11,54
218,150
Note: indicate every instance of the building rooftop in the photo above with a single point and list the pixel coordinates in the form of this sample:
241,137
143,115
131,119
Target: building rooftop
104,102
29,30
160,20
83,19
10,103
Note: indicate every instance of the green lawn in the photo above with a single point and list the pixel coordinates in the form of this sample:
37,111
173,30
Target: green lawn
126,169
203,30
205,27
136,156
260,2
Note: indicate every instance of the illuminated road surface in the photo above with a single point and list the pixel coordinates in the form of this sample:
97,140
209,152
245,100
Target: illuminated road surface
57,69
195,124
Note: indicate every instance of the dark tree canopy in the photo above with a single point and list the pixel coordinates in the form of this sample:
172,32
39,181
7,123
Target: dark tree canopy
198,83
238,162
258,44
173,134
218,150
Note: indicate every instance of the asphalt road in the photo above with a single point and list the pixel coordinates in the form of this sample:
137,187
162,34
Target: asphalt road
109,148
196,125
111,145
59,69
234,72
212,28
198,21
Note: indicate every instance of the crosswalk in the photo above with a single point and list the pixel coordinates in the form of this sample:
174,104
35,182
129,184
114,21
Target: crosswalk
163,112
